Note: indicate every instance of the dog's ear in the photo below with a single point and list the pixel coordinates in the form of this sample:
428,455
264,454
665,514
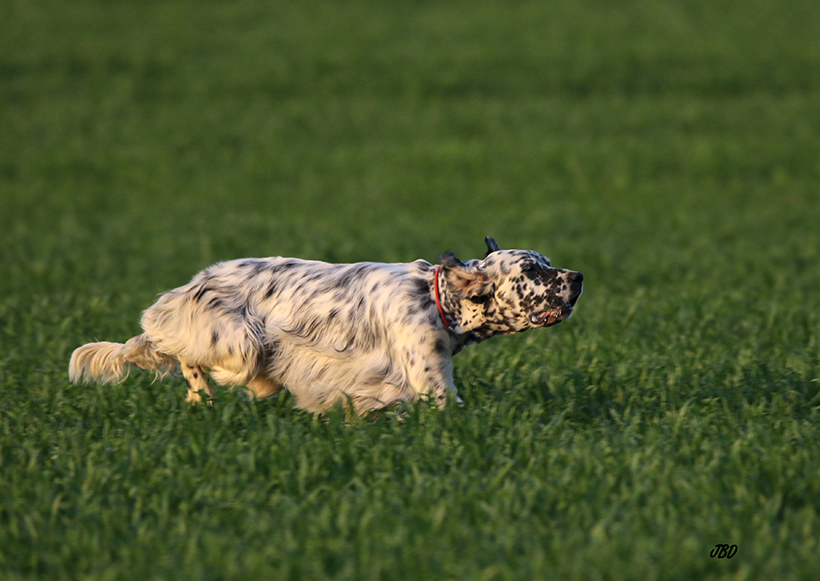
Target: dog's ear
466,280
492,245
451,260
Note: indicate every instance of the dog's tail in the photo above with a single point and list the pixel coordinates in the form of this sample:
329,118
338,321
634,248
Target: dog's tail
106,362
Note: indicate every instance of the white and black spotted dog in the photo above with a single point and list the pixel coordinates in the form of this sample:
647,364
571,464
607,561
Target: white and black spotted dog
365,335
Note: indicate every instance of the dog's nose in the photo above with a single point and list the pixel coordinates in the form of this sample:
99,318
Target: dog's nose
575,277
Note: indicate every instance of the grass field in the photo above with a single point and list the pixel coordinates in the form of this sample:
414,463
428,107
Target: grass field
669,150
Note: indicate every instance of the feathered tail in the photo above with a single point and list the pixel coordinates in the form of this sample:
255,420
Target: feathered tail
106,362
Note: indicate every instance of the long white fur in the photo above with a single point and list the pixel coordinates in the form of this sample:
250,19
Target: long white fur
365,335
107,362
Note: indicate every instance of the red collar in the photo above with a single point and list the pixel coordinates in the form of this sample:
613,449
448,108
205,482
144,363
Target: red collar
438,300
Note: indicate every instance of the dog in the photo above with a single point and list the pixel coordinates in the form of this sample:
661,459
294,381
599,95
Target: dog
364,335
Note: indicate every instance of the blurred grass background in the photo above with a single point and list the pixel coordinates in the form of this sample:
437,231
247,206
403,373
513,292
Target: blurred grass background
668,150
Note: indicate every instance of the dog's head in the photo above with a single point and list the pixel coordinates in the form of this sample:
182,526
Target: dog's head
507,292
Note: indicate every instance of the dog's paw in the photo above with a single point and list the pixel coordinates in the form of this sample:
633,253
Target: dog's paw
193,398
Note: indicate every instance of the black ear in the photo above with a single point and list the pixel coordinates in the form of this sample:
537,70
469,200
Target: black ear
492,245
450,259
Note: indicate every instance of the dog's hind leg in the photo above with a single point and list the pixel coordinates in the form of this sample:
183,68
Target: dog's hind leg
197,381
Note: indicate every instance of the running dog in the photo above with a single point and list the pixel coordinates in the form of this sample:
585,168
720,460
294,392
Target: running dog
365,335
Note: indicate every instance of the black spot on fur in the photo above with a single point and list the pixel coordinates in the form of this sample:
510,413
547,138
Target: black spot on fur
347,346
271,289
201,292
365,337
273,268
420,287
214,338
305,329
259,267
352,274
313,277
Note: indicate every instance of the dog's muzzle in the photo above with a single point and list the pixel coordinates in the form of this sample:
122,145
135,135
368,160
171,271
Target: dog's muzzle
554,316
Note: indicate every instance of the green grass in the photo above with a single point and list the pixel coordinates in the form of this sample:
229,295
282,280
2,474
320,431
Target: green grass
669,150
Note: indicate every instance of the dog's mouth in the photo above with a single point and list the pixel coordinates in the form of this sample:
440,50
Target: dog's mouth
552,317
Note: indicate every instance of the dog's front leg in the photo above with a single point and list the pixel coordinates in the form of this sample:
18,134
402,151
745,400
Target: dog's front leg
431,375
